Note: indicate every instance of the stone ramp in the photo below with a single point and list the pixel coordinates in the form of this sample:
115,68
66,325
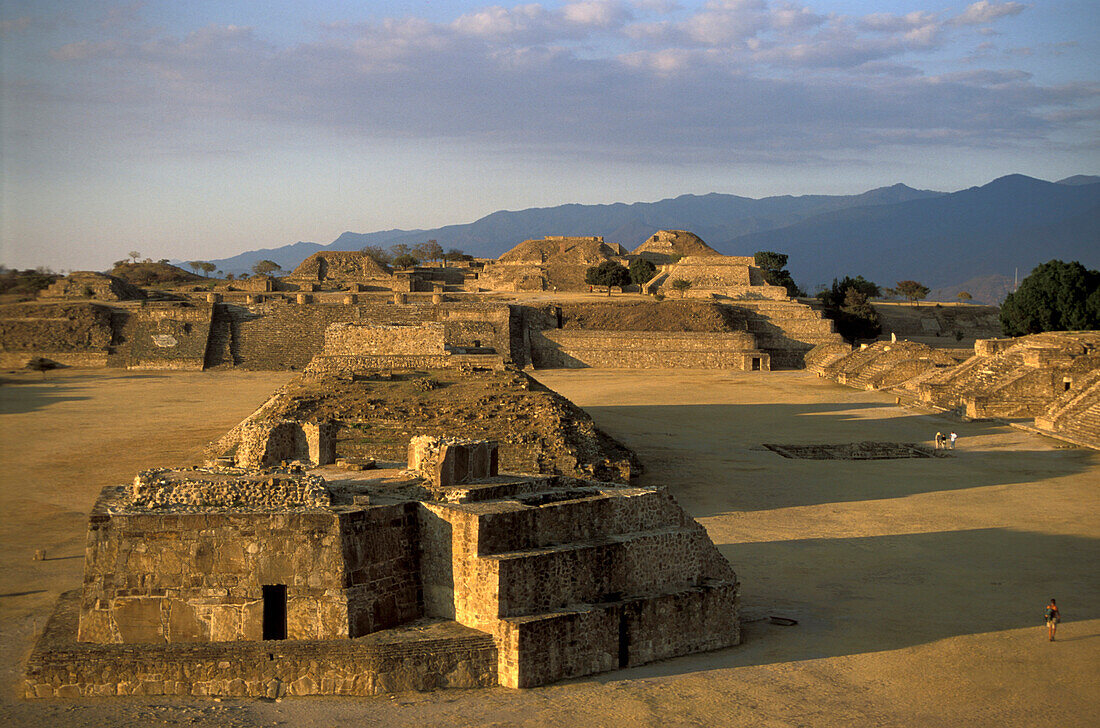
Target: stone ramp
425,655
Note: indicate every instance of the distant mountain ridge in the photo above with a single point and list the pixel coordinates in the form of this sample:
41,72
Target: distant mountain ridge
885,234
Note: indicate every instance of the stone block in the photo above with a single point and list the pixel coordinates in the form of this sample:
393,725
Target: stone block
139,619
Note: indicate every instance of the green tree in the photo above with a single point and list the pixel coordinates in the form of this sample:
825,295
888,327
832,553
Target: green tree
405,260
207,268
429,251
912,291
680,284
266,267
195,265
773,266
848,303
135,255
608,273
457,254
641,271
1056,296
377,254
835,295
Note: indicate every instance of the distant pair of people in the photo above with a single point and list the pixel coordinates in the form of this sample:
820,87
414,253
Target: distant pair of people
946,441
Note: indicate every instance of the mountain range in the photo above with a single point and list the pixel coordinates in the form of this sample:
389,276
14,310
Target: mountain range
886,234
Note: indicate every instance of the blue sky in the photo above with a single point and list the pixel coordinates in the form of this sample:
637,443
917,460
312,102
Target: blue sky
200,129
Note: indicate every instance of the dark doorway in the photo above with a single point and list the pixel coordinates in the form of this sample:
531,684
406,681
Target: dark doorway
624,642
274,611
756,363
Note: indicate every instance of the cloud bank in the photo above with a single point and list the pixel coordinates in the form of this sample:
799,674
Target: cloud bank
736,80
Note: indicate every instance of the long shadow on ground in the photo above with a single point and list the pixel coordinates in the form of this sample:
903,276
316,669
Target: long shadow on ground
713,457
859,595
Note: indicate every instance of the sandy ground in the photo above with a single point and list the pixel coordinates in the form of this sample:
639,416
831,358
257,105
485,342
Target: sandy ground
918,584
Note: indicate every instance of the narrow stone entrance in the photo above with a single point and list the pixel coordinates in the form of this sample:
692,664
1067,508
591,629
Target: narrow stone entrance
274,611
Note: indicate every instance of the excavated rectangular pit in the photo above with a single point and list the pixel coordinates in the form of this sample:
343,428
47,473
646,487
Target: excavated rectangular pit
854,451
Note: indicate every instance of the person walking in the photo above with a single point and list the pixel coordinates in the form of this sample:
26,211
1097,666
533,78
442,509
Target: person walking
939,440
1053,618
952,437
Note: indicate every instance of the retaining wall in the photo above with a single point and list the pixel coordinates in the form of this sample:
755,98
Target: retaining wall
438,655
561,348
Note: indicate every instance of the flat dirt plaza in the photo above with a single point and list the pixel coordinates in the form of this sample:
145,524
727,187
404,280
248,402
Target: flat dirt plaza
918,584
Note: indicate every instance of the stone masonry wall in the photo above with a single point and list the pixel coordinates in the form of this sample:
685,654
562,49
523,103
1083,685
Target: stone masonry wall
162,336
435,656
279,335
264,443
382,567
351,339
32,329
560,348
196,577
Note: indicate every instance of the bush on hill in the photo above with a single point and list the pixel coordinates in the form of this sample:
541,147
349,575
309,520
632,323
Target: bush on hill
25,282
152,274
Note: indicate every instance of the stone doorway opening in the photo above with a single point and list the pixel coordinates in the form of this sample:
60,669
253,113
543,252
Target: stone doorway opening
274,611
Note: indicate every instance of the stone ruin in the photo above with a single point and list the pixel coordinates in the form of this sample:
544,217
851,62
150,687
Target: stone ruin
246,582
715,276
1052,377
86,285
669,246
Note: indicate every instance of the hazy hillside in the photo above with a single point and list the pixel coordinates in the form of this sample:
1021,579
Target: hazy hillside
712,216
886,234
1015,221
990,290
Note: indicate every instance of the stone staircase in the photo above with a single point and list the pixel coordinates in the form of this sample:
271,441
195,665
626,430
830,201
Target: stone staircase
579,579
219,346
1077,413
786,330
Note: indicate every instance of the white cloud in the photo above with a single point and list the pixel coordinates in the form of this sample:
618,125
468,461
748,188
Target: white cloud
709,84
986,12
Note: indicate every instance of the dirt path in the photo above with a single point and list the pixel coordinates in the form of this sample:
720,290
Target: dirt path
918,584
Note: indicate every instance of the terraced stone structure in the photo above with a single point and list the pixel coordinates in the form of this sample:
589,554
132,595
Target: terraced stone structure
360,582
1014,377
1052,377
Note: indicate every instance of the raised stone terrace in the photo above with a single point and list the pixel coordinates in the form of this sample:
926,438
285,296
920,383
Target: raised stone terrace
1053,377
520,580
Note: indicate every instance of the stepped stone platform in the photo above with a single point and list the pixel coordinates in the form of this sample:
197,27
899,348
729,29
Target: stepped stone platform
1052,377
228,581
883,364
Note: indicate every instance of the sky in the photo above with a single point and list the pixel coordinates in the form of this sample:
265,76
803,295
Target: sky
201,129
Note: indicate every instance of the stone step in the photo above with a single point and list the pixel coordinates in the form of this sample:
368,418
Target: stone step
547,518
588,638
602,569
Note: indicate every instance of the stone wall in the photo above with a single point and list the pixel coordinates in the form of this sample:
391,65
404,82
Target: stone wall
541,649
75,334
578,579
176,571
561,348
161,335
197,577
381,562
279,335
352,339
264,443
435,656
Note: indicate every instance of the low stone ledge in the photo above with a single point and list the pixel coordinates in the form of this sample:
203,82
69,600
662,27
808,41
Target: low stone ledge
426,655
